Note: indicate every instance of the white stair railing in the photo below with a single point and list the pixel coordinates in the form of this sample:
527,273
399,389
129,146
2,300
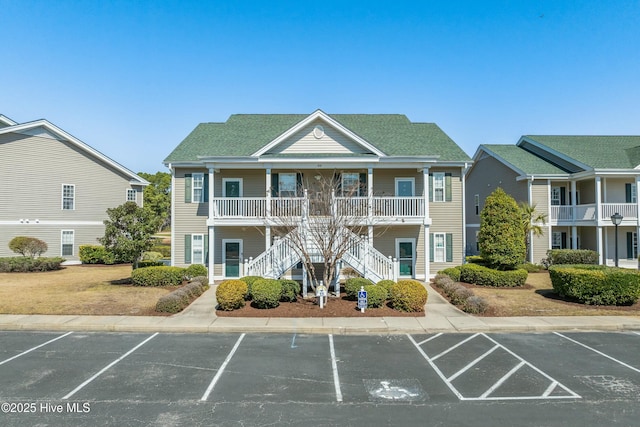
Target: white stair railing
367,260
273,262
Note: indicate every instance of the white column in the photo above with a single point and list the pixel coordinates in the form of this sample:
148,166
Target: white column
427,254
211,192
598,200
574,237
212,246
370,196
425,192
268,192
599,245
427,222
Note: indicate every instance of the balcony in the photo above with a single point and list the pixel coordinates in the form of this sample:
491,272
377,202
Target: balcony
259,208
586,213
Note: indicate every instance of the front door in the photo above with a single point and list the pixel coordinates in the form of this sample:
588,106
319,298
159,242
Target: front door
232,252
405,252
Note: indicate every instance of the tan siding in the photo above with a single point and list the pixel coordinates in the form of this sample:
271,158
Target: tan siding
305,142
384,181
253,243
541,245
446,217
540,196
189,218
253,182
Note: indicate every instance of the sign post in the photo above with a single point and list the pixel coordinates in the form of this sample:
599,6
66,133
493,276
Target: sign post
362,299
321,292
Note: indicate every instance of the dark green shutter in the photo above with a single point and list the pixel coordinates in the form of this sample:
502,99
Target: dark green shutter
299,187
563,196
564,240
187,248
627,193
431,246
187,188
431,187
205,188
363,184
274,185
206,250
449,245
337,178
447,187
629,245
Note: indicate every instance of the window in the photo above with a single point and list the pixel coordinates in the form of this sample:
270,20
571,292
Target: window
231,187
131,195
558,240
67,239
68,197
351,184
476,201
438,187
287,183
197,249
439,254
198,188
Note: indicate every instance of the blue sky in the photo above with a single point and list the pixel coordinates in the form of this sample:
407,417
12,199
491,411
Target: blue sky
133,78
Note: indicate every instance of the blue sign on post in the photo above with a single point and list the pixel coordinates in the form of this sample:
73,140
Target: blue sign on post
362,299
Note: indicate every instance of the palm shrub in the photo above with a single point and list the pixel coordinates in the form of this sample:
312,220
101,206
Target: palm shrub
501,237
266,293
231,294
408,295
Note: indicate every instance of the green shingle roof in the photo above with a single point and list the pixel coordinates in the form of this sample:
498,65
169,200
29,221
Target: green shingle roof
244,134
597,152
523,160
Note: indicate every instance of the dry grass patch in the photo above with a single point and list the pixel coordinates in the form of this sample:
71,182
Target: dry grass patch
80,289
537,298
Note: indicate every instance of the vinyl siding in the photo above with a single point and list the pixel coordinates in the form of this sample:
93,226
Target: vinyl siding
252,244
35,189
447,217
189,218
304,141
384,181
540,198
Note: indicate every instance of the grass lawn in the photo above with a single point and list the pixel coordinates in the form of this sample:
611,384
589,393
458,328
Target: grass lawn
78,289
537,298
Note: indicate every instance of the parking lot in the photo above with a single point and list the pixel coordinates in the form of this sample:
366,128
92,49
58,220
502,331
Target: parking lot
126,379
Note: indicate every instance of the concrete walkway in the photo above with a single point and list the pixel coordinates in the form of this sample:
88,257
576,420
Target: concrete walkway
440,316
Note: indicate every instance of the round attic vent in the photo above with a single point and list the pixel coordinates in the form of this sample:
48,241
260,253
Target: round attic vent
318,131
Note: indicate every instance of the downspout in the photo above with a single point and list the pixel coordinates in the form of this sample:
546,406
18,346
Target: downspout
464,212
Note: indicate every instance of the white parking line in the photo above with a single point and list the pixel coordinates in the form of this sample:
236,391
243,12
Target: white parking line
34,348
487,394
334,367
215,379
103,370
598,352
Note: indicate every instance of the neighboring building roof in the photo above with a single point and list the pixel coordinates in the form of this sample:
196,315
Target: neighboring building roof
521,160
44,127
243,135
596,152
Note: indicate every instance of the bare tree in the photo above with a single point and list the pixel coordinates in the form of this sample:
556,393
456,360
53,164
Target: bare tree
333,218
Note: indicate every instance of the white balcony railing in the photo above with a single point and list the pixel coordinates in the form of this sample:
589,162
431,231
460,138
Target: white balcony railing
256,207
587,212
627,210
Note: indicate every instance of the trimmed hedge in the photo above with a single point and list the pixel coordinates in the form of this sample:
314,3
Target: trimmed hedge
353,285
157,276
165,250
484,276
196,270
596,284
231,294
180,299
151,256
95,254
386,284
249,280
453,273
572,256
376,295
460,296
145,264
28,246
266,293
408,295
290,290
26,264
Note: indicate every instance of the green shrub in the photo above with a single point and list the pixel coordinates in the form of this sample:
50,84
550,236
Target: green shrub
266,293
204,280
165,250
173,303
443,280
453,273
484,276
157,276
529,267
249,280
408,295
376,295
231,294
26,264
475,259
151,256
475,305
353,285
571,256
145,264
28,246
196,270
386,284
290,290
95,254
595,284
459,294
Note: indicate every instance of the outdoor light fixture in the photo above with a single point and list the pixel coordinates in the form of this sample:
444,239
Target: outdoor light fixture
616,219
